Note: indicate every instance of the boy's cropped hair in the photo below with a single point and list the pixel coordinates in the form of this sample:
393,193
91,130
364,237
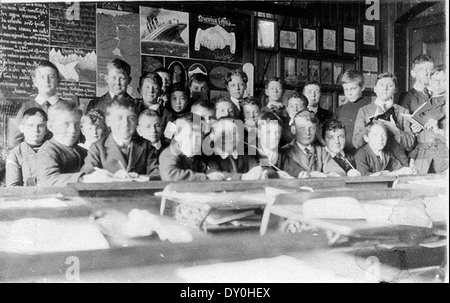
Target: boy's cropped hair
205,103
332,125
422,59
63,107
352,76
251,101
149,113
270,116
222,99
369,126
162,70
34,111
238,73
199,78
124,104
152,76
273,79
298,95
94,116
312,83
180,87
308,115
46,63
120,65
438,69
387,75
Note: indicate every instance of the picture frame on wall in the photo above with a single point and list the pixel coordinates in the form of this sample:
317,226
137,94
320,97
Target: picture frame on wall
288,40
302,70
350,66
314,70
265,33
338,71
370,80
326,72
349,33
290,75
329,40
265,60
326,101
309,40
349,41
370,64
370,36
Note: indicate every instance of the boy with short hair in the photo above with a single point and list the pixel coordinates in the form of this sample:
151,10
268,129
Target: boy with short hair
199,84
21,162
93,127
178,106
296,103
419,94
334,134
60,159
251,110
236,82
313,91
123,153
400,136
304,158
230,159
166,77
206,110
118,79
225,108
46,79
372,159
150,88
150,128
274,91
353,85
182,160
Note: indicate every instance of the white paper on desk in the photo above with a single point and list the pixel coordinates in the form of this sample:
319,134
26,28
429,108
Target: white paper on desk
282,269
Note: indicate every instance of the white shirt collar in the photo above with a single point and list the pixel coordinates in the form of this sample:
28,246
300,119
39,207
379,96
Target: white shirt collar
236,102
52,100
302,147
332,154
121,143
387,104
157,145
154,107
314,110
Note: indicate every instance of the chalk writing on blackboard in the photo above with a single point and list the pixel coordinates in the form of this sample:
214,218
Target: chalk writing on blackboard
24,39
73,25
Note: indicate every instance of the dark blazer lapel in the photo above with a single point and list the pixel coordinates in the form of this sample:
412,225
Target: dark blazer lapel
387,161
135,155
298,156
113,154
378,167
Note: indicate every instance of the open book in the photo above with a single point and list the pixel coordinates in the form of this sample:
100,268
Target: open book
384,116
423,114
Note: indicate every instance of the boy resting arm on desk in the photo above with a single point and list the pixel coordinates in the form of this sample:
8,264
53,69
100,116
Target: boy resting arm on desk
122,152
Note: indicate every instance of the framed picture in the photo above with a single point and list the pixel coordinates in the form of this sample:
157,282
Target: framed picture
265,60
338,71
326,101
370,38
302,70
370,64
350,66
288,40
265,33
290,75
314,70
326,72
349,48
329,40
309,40
370,80
349,33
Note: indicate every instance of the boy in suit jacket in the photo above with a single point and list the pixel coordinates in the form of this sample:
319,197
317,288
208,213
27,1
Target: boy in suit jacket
312,91
236,82
122,152
304,158
230,159
334,136
372,159
60,159
21,162
118,79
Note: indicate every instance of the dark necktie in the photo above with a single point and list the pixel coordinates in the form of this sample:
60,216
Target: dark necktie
125,149
45,106
309,156
380,159
427,92
343,163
